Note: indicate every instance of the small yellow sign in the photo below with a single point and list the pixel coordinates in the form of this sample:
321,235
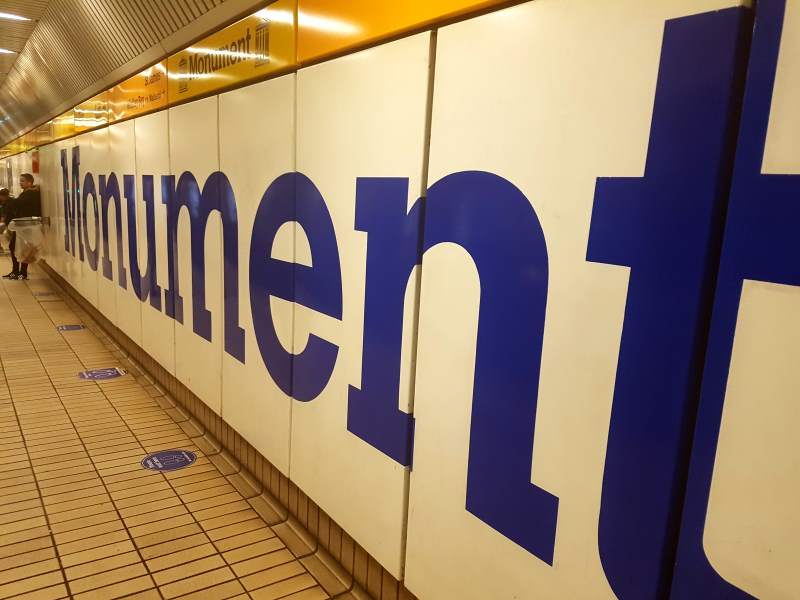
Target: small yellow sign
92,113
256,46
64,125
43,134
142,93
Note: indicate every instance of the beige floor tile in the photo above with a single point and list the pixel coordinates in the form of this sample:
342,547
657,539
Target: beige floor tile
284,588
244,539
189,569
213,501
218,592
50,593
118,590
151,507
102,564
163,494
77,558
196,583
26,558
150,517
188,555
236,529
29,570
88,531
30,584
315,593
23,536
80,512
273,575
262,563
96,541
231,518
139,531
107,578
80,444
22,524
173,546
167,535
146,595
10,550
11,517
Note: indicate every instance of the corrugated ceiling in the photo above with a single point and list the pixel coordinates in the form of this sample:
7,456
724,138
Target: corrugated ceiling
72,49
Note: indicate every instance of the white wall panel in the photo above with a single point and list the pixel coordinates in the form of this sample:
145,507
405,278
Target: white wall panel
123,162
152,158
256,146
740,520
549,96
94,161
361,115
193,139
52,201
71,267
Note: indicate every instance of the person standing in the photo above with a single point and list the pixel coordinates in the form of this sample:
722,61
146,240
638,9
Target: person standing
5,196
27,204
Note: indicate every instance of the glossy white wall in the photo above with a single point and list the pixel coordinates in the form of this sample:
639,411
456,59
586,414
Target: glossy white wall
361,115
94,161
152,158
52,203
194,148
71,268
740,523
548,96
257,126
123,162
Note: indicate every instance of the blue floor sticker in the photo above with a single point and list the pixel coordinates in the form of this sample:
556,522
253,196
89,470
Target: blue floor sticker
101,374
169,460
70,327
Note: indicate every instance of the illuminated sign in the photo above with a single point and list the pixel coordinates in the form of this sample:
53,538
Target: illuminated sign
254,47
92,113
64,125
142,93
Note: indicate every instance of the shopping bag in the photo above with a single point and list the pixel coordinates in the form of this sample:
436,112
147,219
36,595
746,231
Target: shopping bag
30,239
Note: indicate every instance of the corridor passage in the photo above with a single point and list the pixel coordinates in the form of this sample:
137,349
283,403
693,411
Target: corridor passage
79,515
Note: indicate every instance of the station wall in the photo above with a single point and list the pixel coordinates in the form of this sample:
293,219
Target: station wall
463,289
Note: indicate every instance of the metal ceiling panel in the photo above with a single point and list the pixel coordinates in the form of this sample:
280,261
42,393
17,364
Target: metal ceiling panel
69,48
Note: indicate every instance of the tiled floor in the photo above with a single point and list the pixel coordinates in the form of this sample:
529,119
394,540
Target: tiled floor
79,516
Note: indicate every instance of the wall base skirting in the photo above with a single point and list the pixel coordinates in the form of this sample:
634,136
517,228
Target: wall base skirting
341,566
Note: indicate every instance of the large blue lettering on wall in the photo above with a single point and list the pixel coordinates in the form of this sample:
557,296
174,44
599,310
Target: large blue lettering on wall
92,247
393,249
109,191
294,198
762,243
497,226
72,211
217,195
144,285
666,227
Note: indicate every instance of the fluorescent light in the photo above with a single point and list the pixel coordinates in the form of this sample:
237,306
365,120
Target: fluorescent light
4,51
4,15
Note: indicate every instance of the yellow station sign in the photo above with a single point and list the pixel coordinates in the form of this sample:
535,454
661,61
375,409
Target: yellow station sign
64,125
326,28
92,113
256,46
142,93
44,133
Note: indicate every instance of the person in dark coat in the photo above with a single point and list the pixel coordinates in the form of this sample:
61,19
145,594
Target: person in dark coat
27,204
